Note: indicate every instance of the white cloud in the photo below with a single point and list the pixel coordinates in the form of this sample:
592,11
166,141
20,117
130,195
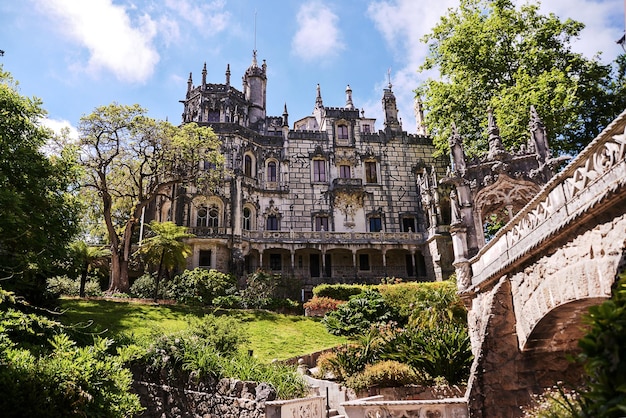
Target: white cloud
58,125
318,36
115,43
210,17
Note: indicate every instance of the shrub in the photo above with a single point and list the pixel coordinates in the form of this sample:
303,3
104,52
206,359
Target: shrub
443,351
322,303
45,373
338,291
228,302
326,366
143,288
64,286
386,373
604,356
259,289
411,299
200,286
359,314
284,305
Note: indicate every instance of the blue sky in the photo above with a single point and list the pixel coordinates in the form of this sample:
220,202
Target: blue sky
79,54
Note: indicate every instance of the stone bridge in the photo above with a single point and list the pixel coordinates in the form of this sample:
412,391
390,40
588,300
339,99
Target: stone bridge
528,287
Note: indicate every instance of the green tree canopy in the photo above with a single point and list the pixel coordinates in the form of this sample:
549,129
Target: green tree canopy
129,160
38,214
491,54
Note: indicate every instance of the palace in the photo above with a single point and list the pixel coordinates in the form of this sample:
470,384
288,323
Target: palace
329,200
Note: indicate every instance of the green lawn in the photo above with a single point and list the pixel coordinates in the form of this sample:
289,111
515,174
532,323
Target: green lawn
272,336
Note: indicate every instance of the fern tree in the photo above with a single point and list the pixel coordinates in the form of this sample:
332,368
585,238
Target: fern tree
165,248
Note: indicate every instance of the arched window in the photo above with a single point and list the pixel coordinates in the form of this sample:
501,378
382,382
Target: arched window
271,171
213,217
202,216
247,219
247,165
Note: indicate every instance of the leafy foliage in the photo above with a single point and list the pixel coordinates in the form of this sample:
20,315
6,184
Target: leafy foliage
338,291
128,159
201,286
359,314
45,373
387,373
442,351
259,290
490,53
39,214
322,303
65,286
604,356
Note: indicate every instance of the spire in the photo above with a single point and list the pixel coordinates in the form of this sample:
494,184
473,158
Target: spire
419,117
254,61
318,99
285,116
189,83
228,74
349,104
390,109
496,149
204,76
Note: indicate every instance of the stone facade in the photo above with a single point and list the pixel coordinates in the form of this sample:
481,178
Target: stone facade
528,287
330,199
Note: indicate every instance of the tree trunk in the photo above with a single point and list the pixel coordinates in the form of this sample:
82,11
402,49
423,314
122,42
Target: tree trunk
83,279
158,277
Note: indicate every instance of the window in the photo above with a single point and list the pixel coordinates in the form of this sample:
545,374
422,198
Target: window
204,258
321,223
342,132
247,216
376,224
366,129
213,218
408,224
247,165
214,116
370,172
344,171
271,171
276,262
208,165
202,216
319,170
272,223
364,262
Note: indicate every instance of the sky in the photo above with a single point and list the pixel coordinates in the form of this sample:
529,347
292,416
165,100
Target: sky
77,55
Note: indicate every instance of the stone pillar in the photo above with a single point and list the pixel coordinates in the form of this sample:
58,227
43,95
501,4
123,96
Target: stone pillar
354,265
236,210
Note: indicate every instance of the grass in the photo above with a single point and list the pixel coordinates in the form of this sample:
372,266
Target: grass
272,336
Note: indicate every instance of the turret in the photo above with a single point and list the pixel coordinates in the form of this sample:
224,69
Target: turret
228,75
349,104
419,117
204,77
391,110
255,88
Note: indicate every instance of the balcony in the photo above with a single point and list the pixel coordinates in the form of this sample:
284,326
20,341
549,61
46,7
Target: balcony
302,237
347,184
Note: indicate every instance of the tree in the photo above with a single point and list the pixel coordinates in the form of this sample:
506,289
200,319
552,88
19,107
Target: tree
165,248
84,257
491,54
38,212
129,160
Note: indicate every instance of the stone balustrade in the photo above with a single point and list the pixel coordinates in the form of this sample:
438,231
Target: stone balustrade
296,408
590,179
334,237
376,406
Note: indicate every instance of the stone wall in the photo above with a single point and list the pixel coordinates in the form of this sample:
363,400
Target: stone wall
227,398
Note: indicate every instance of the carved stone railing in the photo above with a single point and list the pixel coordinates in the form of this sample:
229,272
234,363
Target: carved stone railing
296,408
335,237
594,177
351,183
206,231
375,406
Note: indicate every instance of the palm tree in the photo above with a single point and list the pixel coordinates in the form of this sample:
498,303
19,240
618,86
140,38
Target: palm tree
85,256
165,247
